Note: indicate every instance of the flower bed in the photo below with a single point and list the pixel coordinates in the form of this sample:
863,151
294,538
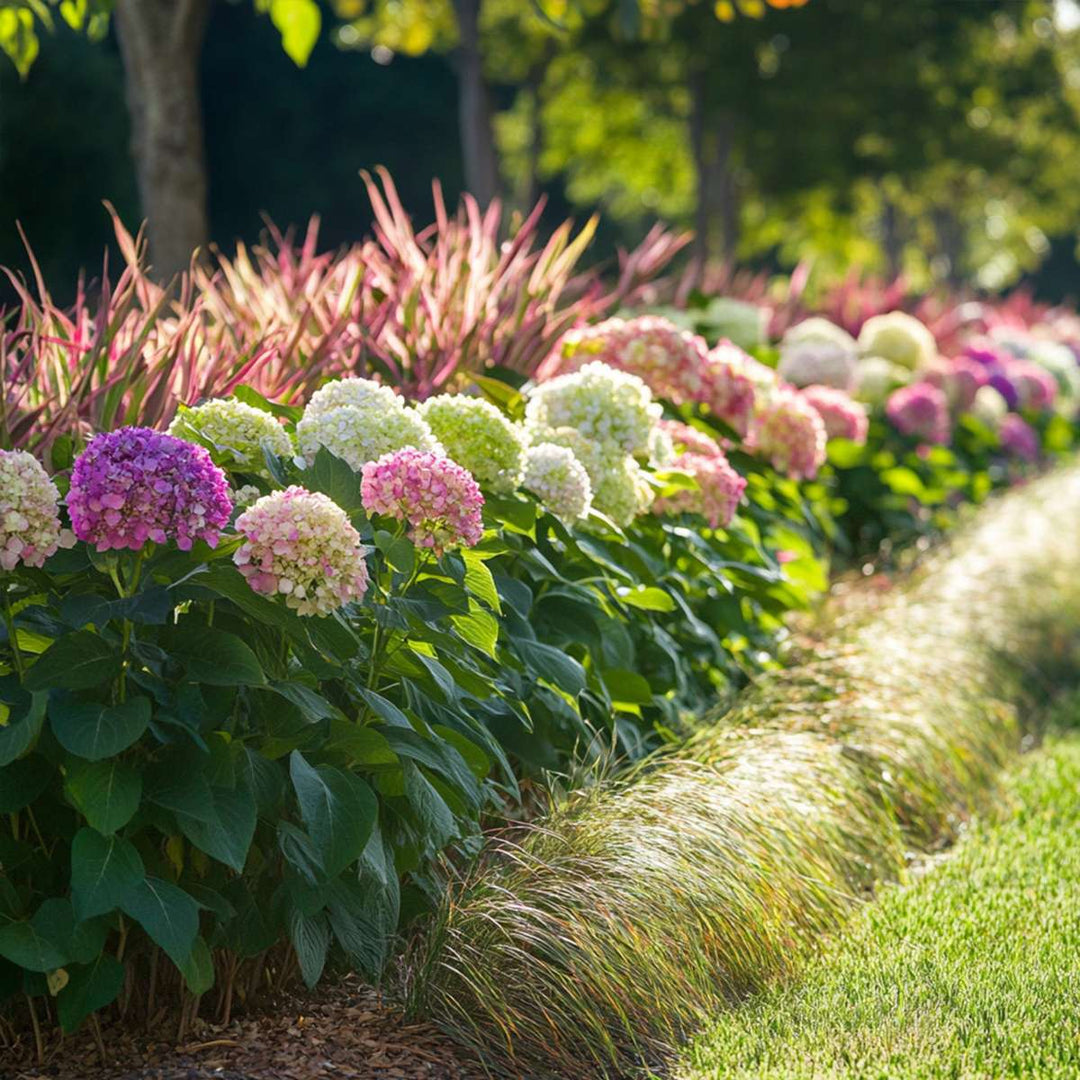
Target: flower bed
261,670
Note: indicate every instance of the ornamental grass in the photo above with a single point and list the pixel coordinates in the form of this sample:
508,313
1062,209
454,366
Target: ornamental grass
594,942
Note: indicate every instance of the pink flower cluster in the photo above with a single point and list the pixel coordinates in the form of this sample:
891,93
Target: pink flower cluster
719,490
29,516
960,378
1019,438
687,439
301,545
789,432
920,410
844,418
1036,388
674,363
437,497
136,484
732,386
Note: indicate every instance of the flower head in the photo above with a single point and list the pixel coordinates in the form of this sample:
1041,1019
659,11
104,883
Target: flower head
438,498
1060,361
687,439
876,378
989,406
29,515
789,432
898,337
960,378
920,410
360,393
234,432
815,352
669,360
301,545
1036,388
844,418
619,487
136,484
476,435
719,489
361,433
604,404
737,382
556,477
1019,438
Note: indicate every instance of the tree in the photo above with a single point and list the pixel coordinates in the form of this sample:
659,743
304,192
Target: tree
160,42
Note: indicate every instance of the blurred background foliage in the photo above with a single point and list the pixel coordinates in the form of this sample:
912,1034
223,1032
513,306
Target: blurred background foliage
930,138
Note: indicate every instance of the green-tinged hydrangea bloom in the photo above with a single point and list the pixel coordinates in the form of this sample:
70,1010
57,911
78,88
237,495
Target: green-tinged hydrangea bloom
605,405
361,393
364,432
898,337
619,487
234,433
556,477
476,435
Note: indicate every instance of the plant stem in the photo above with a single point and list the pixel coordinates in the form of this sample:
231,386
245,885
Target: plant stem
13,637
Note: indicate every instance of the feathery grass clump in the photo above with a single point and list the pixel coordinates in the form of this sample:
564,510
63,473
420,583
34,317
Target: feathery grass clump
593,943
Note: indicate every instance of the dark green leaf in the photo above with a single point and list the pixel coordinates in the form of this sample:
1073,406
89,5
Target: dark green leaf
228,836
310,937
103,871
216,657
23,726
75,661
22,782
167,914
106,792
339,810
94,730
89,988
552,664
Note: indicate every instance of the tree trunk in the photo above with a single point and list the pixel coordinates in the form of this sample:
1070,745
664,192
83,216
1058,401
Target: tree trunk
716,210
474,107
160,41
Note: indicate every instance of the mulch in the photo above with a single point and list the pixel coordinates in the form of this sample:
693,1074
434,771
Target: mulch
344,1032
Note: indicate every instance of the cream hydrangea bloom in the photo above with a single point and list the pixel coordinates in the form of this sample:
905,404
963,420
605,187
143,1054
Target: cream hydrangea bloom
556,477
234,432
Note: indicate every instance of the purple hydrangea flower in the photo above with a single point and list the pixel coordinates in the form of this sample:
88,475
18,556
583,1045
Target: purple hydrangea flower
136,484
1019,438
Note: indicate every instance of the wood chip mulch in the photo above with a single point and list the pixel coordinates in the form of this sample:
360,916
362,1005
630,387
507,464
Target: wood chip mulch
341,1033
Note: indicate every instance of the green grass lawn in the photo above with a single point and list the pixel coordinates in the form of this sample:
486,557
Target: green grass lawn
971,971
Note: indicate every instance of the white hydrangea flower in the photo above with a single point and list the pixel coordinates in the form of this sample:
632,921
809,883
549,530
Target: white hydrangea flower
478,436
989,406
234,432
554,474
364,432
619,486
605,405
361,393
876,378
816,352
898,337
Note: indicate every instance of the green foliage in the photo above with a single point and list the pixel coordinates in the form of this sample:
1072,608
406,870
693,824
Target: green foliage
966,972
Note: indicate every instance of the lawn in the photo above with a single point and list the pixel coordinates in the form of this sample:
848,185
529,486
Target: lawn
971,970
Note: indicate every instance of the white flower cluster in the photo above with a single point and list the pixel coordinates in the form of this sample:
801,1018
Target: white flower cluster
898,337
602,403
556,477
815,352
358,421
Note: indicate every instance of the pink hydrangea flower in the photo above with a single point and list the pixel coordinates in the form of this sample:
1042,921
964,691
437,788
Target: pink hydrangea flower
670,361
136,484
301,545
920,410
687,439
719,490
1019,438
734,378
960,378
789,432
437,497
1036,388
844,418
29,516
